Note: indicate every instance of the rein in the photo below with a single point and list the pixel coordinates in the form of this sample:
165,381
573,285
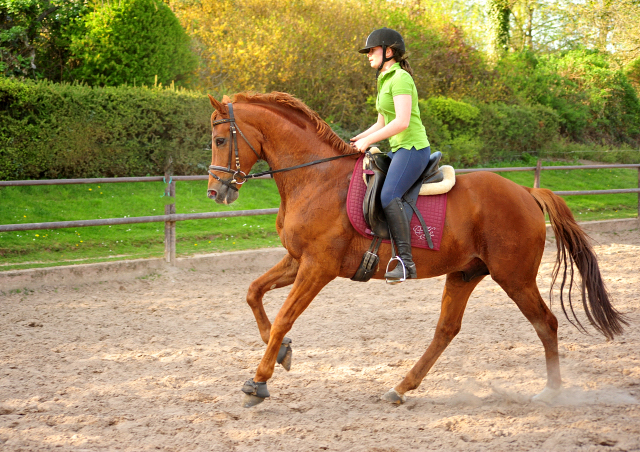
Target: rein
239,177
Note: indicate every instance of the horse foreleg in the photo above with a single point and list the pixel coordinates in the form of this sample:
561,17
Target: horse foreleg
454,301
308,283
280,275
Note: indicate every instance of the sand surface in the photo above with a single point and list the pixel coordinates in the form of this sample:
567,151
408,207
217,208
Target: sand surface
158,363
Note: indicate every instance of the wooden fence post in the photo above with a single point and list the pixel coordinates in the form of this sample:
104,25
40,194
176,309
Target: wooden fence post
536,180
170,226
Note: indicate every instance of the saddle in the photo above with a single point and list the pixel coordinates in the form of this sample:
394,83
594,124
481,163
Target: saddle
375,173
375,168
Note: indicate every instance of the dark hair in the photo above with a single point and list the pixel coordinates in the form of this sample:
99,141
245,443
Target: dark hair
401,58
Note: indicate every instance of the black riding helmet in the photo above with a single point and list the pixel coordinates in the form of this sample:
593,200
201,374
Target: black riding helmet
384,37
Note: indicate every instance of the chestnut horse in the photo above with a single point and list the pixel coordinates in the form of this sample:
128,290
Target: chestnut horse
493,227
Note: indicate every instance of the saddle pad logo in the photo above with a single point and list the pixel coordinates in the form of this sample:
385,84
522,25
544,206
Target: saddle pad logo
417,230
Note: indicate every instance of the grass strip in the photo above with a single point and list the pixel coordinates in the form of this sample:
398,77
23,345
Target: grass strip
46,248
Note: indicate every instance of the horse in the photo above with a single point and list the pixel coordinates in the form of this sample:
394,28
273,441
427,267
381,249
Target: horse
492,227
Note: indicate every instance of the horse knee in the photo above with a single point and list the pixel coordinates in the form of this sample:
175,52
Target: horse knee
448,331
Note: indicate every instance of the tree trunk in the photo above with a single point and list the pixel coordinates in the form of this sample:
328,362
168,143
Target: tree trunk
499,15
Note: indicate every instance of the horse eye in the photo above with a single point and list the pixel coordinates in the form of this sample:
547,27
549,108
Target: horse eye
220,141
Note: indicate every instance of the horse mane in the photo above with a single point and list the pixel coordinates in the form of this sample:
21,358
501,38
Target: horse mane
287,100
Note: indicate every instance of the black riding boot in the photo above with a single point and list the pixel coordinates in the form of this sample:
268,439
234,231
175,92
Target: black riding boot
401,233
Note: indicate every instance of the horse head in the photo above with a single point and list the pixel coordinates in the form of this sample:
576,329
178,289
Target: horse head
227,173
263,124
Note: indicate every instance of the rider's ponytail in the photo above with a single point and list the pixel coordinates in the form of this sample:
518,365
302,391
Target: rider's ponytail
401,58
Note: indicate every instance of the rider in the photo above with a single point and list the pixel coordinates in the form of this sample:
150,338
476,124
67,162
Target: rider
398,120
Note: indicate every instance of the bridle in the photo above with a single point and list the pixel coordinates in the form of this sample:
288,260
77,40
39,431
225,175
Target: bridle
239,177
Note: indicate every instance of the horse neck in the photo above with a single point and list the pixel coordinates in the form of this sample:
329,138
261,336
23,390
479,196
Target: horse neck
291,140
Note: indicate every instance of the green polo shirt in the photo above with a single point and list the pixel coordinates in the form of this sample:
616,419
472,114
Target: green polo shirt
396,81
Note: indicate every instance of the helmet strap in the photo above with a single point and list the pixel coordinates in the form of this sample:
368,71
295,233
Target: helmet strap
384,60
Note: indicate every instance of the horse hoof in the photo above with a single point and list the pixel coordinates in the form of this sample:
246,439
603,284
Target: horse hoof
547,395
286,361
392,396
284,354
254,393
251,400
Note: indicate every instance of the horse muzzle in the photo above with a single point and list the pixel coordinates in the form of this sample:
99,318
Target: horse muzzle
222,195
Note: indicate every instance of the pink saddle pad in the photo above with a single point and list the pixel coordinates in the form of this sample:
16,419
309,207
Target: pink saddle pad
432,208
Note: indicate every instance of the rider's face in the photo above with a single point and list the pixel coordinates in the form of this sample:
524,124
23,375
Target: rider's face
375,56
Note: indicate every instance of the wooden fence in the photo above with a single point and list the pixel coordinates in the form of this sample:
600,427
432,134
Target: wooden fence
170,217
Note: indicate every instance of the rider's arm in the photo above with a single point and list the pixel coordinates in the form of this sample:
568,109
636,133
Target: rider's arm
402,105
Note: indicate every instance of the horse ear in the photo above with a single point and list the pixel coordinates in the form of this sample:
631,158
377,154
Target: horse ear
226,100
220,107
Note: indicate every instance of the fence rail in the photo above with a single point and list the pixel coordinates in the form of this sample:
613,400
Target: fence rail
170,217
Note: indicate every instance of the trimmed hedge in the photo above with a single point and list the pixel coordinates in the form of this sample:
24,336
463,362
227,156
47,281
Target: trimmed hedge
506,130
469,134
50,131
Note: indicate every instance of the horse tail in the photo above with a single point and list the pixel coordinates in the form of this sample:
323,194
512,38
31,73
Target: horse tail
574,249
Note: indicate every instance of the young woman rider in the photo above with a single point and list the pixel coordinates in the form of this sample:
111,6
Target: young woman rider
399,121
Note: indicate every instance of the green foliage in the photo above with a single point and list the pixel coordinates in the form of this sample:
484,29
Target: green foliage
52,130
457,117
35,36
498,12
632,71
309,48
132,42
452,129
594,102
516,129
467,134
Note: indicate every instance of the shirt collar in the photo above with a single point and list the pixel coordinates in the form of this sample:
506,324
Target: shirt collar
392,68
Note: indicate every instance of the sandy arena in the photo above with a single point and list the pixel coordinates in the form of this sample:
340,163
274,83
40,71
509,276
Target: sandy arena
157,363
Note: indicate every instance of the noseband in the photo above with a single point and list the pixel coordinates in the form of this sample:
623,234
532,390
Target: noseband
239,177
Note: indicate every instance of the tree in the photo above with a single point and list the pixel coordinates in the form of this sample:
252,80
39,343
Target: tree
34,36
499,12
132,42
551,25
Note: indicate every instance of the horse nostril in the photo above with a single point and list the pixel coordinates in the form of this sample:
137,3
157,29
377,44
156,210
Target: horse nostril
211,194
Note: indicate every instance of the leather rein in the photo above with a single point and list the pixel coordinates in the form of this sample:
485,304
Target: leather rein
239,177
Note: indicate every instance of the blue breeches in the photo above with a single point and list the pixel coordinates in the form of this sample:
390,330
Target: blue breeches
406,166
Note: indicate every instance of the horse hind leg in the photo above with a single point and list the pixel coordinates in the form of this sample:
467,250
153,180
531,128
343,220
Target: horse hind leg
281,275
531,304
454,302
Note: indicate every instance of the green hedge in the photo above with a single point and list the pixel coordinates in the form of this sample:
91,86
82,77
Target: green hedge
469,134
50,131
517,129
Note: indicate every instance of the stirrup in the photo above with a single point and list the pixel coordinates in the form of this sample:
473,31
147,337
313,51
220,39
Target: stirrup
404,271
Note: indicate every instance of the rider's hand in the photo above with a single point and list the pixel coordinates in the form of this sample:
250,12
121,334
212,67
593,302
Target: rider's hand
361,145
